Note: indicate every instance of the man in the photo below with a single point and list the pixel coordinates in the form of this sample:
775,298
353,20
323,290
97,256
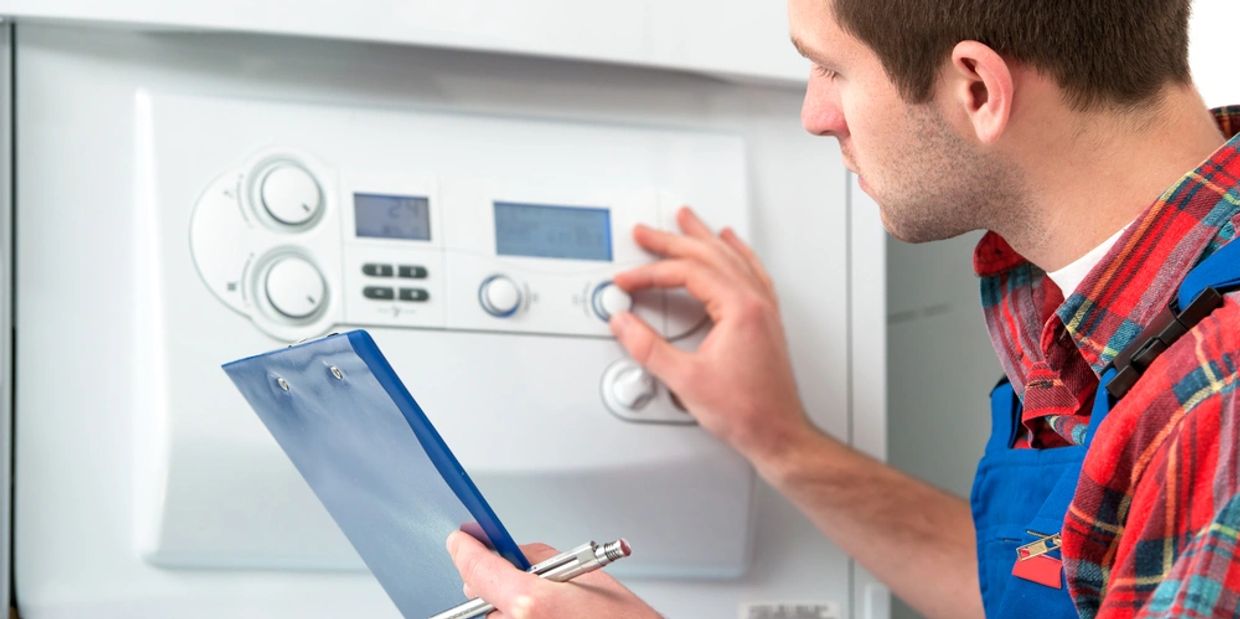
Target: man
1072,132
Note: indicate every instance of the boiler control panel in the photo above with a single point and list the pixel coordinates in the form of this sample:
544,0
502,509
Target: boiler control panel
469,224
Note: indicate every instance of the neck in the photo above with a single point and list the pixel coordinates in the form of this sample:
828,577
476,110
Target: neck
1097,172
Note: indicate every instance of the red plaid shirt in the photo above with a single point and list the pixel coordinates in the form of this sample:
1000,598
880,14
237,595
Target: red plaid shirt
1152,530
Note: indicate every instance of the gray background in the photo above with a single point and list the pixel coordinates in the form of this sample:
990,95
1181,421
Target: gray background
940,366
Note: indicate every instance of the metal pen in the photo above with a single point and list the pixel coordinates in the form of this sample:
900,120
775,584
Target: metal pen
561,568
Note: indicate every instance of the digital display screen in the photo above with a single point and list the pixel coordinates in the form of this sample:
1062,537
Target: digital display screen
543,231
392,217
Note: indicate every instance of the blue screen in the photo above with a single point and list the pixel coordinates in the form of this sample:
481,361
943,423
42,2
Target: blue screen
544,231
392,217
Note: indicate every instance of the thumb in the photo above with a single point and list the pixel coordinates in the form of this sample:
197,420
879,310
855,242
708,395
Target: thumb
649,348
491,577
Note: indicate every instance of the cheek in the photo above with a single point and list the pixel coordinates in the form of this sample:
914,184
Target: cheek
863,126
876,139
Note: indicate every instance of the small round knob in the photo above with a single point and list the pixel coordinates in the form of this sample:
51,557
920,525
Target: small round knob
609,299
295,288
290,194
633,388
500,296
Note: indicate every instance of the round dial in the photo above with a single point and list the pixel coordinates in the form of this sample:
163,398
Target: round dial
609,300
295,288
633,388
500,296
290,194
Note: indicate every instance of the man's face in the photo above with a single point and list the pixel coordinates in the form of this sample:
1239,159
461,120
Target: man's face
929,181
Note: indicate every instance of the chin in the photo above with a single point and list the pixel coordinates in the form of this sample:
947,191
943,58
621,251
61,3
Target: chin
917,231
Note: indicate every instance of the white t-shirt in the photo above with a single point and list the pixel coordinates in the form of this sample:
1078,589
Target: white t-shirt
1071,276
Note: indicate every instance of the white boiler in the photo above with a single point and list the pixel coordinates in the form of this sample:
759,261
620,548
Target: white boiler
187,193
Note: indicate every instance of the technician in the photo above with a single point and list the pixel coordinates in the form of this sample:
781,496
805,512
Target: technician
1072,132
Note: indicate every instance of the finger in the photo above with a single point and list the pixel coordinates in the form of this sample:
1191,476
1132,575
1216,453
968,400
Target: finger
701,282
489,576
535,553
673,245
746,252
649,349
693,225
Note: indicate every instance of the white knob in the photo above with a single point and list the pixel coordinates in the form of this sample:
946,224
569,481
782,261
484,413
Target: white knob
633,388
295,288
290,194
609,300
500,296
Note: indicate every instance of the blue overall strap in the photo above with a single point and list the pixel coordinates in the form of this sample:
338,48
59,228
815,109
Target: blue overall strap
1051,515
1005,411
1199,295
1103,403
1221,271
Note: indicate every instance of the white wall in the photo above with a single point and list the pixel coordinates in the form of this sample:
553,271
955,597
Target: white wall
748,41
1213,56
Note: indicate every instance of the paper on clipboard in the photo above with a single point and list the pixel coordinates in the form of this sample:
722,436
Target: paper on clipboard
359,439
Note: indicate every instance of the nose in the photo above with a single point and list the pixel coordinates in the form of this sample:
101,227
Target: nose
821,112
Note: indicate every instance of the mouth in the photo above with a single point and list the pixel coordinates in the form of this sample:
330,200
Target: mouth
848,161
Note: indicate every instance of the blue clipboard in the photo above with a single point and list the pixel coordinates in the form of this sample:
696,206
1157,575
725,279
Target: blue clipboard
377,464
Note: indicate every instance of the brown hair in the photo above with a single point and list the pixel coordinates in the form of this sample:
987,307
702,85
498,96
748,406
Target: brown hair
1103,53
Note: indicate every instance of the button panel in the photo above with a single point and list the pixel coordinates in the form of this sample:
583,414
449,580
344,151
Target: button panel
414,303
434,276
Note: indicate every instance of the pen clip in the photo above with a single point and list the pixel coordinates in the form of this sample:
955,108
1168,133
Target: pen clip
1044,544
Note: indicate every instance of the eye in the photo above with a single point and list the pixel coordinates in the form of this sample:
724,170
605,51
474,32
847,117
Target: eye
825,72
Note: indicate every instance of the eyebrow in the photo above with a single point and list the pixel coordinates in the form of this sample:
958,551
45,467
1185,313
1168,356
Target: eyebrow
804,51
799,47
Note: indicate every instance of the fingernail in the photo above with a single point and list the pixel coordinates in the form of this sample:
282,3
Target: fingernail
451,543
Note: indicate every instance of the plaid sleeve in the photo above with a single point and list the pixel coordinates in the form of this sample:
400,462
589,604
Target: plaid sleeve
1205,578
1152,531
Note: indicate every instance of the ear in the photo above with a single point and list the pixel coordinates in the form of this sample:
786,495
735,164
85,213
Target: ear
981,83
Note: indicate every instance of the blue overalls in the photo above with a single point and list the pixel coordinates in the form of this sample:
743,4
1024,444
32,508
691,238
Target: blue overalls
1020,496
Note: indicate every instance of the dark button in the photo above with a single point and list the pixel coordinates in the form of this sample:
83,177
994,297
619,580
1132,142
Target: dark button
379,293
377,270
414,294
409,271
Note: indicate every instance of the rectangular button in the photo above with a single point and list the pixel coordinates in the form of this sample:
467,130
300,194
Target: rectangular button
379,293
409,271
414,294
377,270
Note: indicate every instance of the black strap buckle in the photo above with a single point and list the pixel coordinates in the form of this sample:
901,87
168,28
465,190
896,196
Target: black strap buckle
1166,328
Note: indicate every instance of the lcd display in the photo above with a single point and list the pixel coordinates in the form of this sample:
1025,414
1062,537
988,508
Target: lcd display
545,231
392,217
